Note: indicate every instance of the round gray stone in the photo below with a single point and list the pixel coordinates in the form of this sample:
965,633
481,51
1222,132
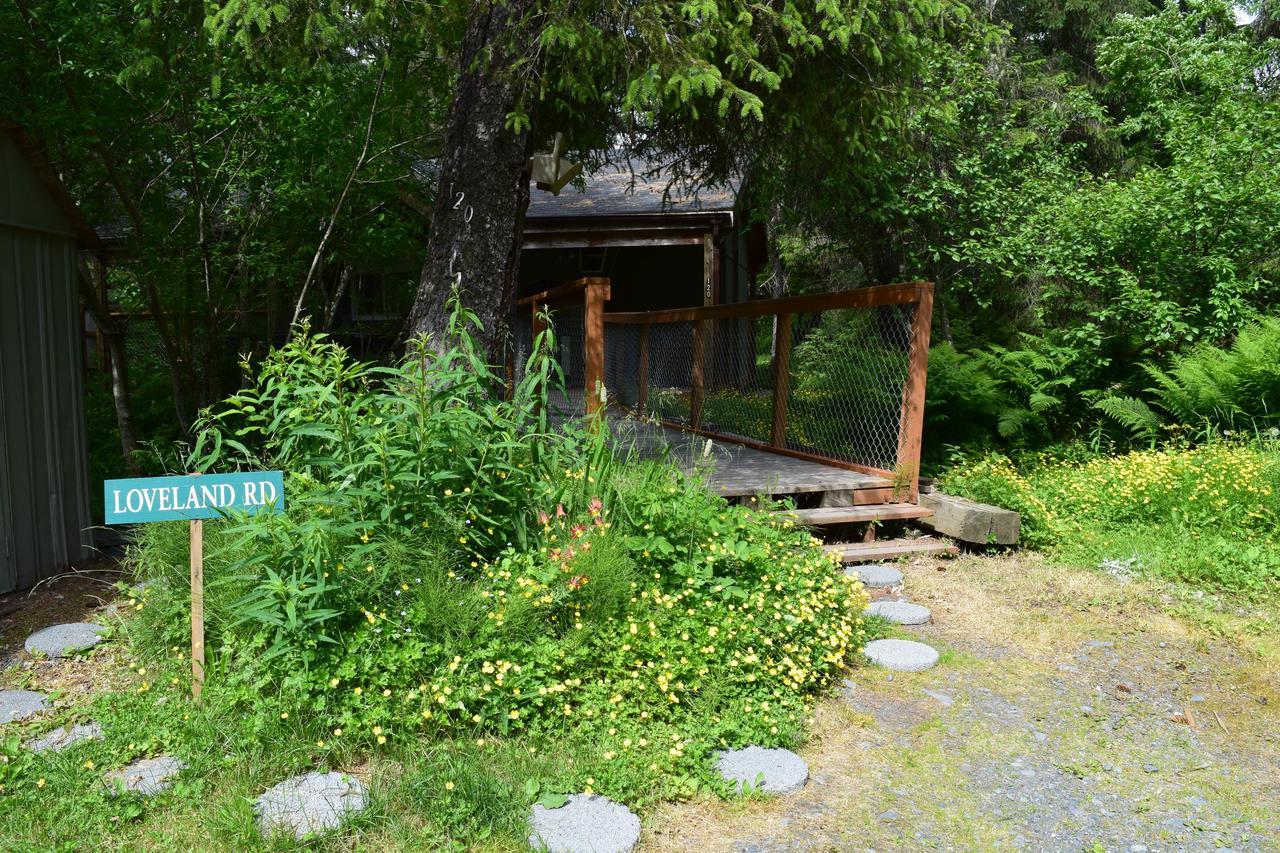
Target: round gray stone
147,777
59,739
19,704
875,576
60,640
309,804
901,655
588,823
901,612
773,771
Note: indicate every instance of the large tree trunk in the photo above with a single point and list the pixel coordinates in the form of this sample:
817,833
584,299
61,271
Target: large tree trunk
117,356
484,189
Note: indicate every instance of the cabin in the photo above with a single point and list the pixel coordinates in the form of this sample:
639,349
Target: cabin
44,482
661,245
816,399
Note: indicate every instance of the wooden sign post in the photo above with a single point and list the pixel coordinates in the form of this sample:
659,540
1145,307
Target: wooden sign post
193,498
197,608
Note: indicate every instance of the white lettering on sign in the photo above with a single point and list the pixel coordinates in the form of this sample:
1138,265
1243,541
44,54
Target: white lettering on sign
179,498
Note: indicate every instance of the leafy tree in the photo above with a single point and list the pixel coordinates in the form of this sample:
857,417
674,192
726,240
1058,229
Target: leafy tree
227,187
703,80
1186,245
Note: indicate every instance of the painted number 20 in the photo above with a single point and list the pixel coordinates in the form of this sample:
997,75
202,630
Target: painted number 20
468,212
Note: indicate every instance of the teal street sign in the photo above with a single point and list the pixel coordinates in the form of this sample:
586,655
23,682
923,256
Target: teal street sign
186,498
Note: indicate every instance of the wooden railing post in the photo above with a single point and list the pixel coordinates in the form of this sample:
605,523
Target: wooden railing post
597,291
911,423
642,391
781,381
697,373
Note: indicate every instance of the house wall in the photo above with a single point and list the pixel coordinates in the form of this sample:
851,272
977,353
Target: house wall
647,279
641,278
44,505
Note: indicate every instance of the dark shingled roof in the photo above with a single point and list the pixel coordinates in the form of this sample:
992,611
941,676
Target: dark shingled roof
615,191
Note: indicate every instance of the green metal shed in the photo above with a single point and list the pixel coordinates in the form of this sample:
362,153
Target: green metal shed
44,484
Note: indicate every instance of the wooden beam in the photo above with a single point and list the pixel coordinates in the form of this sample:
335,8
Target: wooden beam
866,297
697,375
866,552
854,514
970,521
596,241
781,381
562,292
911,422
593,344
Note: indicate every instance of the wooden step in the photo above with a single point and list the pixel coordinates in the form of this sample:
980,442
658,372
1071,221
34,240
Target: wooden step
866,552
854,514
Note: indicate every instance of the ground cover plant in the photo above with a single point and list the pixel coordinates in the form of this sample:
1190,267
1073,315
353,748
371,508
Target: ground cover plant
492,608
1205,514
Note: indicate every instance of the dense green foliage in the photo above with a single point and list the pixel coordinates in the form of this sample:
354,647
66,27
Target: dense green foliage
1093,188
448,566
1237,387
1080,224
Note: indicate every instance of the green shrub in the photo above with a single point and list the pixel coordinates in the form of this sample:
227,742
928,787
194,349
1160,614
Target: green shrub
963,404
449,567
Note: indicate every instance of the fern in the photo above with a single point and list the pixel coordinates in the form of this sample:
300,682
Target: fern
1224,386
1132,414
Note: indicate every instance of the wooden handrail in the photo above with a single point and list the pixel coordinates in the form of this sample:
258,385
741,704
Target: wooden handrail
561,292
918,295
865,297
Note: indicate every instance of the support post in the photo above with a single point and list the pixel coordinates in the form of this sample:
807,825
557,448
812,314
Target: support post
911,423
781,381
597,291
642,392
708,268
197,608
697,373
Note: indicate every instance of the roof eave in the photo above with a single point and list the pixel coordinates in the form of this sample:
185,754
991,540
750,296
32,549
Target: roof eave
86,237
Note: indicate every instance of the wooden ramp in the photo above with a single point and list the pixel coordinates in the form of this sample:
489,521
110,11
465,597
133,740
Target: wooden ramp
737,471
734,470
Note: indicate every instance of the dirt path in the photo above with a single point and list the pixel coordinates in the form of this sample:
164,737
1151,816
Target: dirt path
69,597
1069,711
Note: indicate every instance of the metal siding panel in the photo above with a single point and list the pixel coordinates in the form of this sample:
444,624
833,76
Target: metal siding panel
65,345
48,289
8,315
31,463
77,446
44,499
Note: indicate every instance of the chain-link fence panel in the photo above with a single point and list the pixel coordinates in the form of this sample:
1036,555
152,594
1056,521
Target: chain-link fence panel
568,328
829,383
